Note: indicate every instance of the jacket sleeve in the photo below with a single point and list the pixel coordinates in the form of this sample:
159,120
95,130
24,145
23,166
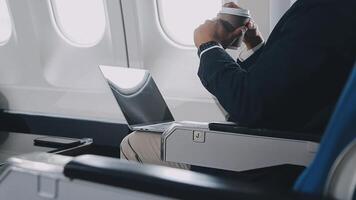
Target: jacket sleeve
250,60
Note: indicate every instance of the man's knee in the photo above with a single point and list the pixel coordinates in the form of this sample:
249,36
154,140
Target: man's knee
145,148
126,151
142,147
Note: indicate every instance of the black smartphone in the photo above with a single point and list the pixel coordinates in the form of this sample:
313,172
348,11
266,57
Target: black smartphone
56,142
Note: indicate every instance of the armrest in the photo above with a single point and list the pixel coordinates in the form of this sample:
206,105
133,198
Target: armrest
164,181
241,150
234,128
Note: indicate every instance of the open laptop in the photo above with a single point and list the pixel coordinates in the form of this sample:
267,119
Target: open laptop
139,98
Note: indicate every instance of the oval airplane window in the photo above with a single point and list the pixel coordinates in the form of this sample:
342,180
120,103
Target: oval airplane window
81,21
5,22
179,18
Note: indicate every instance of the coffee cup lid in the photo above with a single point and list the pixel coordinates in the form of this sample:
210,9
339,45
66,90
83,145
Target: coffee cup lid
235,11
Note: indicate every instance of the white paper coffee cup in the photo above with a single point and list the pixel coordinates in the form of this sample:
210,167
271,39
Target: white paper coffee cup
236,11
233,18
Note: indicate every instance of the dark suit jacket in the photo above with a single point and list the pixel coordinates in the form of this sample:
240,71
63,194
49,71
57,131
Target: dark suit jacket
296,77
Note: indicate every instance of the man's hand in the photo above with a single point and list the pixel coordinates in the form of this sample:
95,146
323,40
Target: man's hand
253,36
205,33
213,30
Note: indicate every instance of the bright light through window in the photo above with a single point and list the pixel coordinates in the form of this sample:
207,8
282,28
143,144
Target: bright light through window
80,21
179,18
5,22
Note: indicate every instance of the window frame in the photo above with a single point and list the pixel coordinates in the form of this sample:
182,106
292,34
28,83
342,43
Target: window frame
65,36
5,41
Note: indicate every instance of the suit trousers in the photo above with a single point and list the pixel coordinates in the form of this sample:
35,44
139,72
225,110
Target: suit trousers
145,147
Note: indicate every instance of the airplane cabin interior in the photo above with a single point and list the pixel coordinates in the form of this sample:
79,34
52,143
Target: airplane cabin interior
177,99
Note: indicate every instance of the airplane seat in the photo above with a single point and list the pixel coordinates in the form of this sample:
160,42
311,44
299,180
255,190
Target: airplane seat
49,176
225,146
340,136
341,182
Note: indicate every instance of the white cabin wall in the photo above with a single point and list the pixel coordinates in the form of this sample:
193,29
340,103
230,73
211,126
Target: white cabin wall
260,13
277,9
42,73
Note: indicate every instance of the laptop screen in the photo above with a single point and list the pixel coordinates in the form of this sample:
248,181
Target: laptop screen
137,95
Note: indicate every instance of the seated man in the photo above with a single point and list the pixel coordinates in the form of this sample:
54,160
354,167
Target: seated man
290,82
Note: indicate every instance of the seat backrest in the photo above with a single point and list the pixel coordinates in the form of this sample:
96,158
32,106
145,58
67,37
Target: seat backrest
340,132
